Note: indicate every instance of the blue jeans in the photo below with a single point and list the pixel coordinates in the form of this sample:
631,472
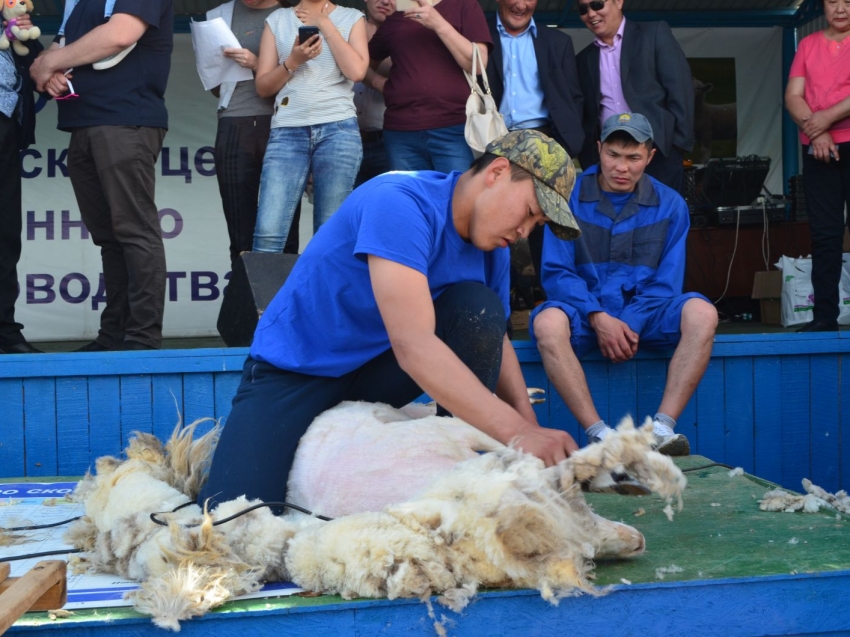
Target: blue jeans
332,152
273,407
440,149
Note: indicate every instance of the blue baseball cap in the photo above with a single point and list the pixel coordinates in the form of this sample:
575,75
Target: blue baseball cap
635,124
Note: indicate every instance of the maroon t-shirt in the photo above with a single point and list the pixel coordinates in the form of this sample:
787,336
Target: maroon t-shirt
426,88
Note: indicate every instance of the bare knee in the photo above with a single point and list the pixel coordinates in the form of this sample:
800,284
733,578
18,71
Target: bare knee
699,319
552,330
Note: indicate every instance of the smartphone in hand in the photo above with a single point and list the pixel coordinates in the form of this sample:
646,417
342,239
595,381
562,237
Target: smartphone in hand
404,5
305,33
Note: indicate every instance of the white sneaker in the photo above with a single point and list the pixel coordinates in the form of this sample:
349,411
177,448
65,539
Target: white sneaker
672,445
112,60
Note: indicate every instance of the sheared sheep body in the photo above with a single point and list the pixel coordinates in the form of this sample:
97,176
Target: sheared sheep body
363,456
497,519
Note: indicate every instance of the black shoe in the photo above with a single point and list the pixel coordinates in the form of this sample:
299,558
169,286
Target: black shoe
94,346
131,346
19,348
819,326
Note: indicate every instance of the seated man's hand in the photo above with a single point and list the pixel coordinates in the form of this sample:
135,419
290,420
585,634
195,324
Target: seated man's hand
550,445
617,341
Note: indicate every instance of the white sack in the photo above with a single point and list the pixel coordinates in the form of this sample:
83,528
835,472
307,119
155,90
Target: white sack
798,296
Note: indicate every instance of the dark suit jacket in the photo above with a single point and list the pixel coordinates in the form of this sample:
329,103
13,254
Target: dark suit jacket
556,63
657,83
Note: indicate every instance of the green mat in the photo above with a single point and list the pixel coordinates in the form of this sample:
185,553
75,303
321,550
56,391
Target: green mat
720,533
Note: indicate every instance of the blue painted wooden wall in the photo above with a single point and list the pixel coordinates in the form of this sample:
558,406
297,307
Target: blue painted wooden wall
777,405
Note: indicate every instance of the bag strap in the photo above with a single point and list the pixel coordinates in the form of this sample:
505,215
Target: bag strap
472,79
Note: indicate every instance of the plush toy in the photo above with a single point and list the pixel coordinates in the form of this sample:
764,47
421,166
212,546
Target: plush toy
12,33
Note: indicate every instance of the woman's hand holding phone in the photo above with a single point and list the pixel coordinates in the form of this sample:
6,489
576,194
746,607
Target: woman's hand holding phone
309,42
306,51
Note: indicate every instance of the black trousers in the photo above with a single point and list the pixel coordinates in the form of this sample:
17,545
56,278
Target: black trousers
113,172
827,187
668,169
273,408
375,160
240,144
10,229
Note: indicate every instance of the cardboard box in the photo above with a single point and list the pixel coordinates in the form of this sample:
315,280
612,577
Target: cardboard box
519,319
767,288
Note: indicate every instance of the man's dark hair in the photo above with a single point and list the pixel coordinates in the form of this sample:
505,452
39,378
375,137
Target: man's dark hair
626,140
517,173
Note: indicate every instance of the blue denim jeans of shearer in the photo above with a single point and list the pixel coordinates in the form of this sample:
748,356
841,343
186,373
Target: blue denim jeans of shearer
331,152
273,408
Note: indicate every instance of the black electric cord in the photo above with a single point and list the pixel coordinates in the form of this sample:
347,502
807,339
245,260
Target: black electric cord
39,526
708,466
154,519
285,505
30,556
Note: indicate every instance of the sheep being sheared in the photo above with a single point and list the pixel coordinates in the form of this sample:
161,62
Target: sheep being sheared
497,519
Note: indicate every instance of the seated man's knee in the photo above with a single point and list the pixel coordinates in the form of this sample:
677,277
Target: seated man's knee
552,329
699,318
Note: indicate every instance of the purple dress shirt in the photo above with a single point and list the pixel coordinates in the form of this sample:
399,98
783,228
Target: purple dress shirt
612,102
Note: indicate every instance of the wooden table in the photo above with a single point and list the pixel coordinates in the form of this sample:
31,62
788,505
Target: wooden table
710,251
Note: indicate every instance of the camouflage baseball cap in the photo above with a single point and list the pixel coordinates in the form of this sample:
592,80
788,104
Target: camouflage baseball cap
553,172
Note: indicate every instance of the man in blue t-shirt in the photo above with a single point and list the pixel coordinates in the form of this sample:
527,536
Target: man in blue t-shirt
620,283
117,120
404,290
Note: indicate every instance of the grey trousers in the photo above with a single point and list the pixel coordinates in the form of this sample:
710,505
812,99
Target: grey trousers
113,172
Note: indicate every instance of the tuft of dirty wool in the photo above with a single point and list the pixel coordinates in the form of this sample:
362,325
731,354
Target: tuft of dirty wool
737,471
815,499
59,613
662,571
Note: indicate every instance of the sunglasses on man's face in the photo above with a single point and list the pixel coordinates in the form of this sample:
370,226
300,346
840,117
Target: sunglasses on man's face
596,5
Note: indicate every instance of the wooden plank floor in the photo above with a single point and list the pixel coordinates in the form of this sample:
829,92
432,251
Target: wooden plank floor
774,404
742,572
203,342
